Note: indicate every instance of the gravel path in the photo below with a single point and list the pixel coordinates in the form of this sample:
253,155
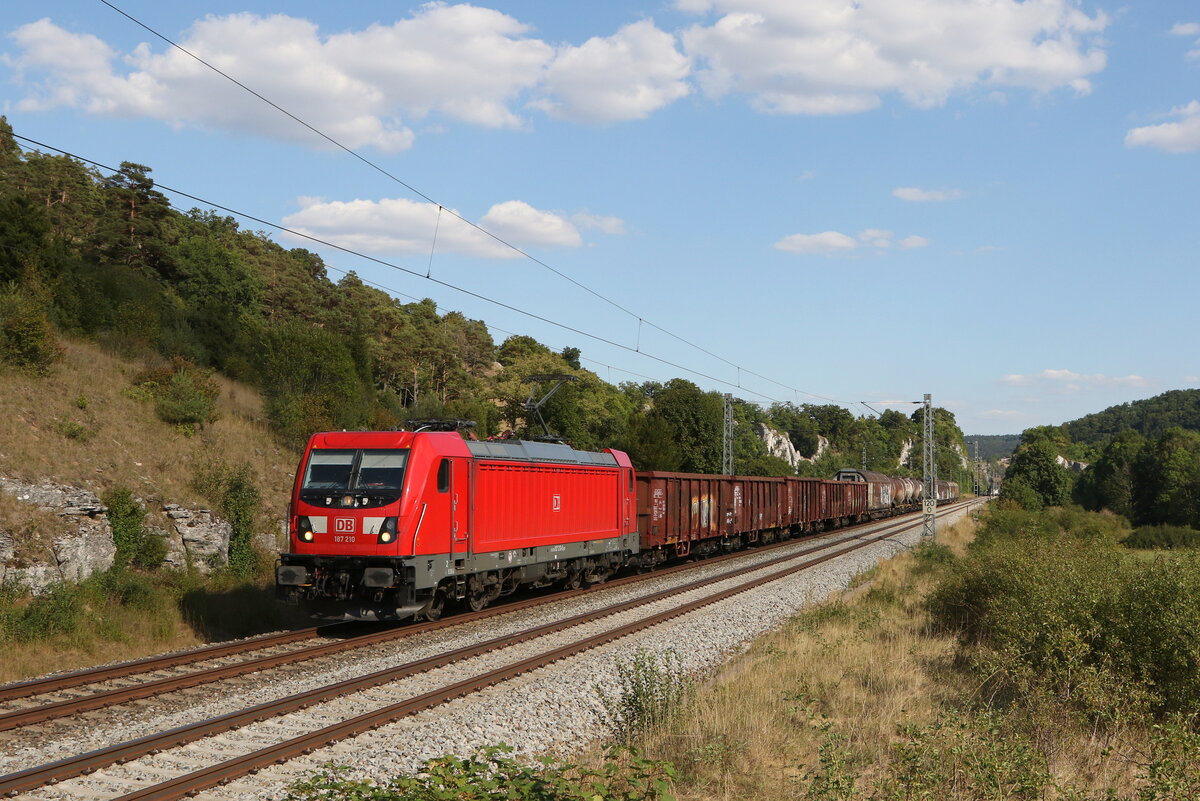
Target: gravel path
552,709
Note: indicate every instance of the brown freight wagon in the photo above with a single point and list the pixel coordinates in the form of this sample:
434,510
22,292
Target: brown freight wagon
679,512
847,502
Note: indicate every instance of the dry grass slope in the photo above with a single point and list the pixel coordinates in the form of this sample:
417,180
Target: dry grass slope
79,426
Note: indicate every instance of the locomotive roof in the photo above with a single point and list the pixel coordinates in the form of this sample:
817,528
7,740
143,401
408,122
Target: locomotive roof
525,451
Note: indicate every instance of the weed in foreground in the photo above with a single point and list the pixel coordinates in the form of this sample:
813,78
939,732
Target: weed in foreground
651,690
494,775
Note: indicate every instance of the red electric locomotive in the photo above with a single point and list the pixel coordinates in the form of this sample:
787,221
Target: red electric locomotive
392,524
387,525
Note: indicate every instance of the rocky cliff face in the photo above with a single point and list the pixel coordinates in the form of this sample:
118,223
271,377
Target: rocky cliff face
86,547
1071,464
195,538
198,537
780,444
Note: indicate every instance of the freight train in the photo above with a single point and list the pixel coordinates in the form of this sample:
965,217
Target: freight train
389,525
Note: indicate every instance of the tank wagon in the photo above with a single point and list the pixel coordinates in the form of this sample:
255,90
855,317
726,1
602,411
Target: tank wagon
889,495
388,525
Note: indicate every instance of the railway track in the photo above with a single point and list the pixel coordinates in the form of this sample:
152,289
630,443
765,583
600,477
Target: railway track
212,775
56,697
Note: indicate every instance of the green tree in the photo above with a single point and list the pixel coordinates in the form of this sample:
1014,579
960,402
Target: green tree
651,444
698,421
1110,482
309,377
1168,485
23,232
1035,467
133,230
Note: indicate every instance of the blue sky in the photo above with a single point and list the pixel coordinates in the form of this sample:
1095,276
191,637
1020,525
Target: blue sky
992,201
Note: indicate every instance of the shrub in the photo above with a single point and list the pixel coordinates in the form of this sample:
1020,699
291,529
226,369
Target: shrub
960,756
493,775
233,491
73,430
27,339
58,611
650,690
184,395
135,543
1163,537
1062,615
188,399
1173,771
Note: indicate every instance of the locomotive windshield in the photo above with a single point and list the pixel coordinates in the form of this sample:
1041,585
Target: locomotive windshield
348,470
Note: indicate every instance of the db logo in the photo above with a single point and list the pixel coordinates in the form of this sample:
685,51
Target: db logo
556,503
344,525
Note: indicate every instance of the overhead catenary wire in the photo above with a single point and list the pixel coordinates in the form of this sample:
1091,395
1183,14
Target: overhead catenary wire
414,273
339,145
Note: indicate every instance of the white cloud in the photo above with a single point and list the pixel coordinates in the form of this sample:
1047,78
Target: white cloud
520,223
831,242
400,227
915,194
1072,381
999,413
825,242
599,222
1191,379
1186,29
834,57
1181,136
362,87
626,76
876,238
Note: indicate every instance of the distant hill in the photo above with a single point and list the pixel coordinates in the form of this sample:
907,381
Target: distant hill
1150,417
992,446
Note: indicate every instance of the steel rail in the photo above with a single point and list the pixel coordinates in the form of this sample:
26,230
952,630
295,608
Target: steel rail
78,678
72,706
95,760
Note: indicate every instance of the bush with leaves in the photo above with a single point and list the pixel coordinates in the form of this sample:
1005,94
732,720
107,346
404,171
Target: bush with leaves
1163,538
494,775
136,544
1049,607
232,489
27,339
184,395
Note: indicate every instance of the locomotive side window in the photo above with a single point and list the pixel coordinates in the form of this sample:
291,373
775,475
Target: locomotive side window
381,470
329,470
443,476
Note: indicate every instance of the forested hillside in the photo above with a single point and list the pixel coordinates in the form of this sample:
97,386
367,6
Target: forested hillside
1150,417
106,258
994,446
1143,462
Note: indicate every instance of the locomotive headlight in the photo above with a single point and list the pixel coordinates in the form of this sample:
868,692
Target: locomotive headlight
387,530
304,530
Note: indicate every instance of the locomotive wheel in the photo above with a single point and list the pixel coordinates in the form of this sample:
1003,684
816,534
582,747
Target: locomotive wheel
435,608
574,580
478,596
